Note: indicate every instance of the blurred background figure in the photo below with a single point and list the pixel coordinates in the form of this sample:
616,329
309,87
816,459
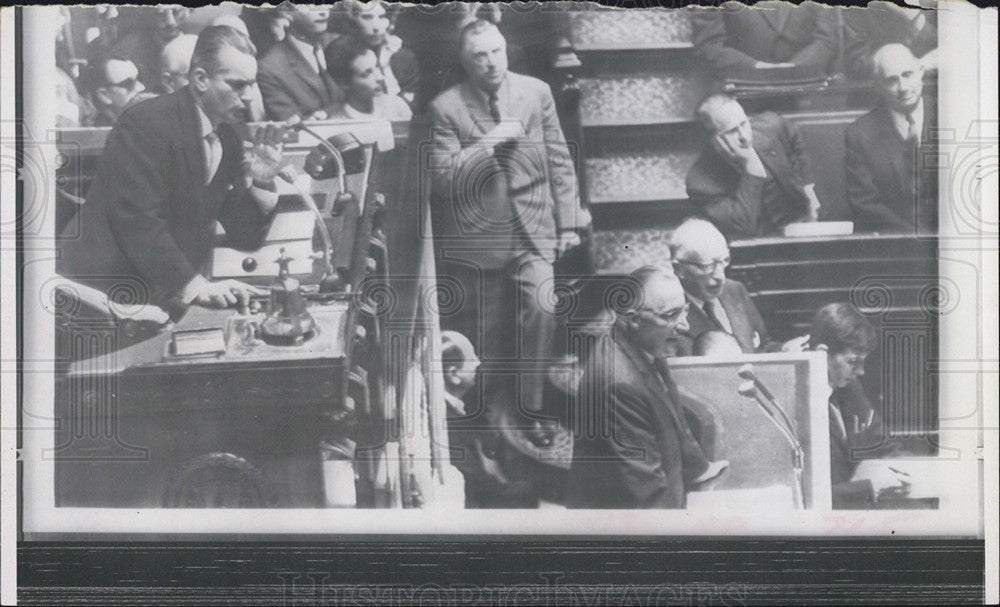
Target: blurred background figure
114,86
369,23
267,26
175,62
752,42
881,23
142,44
716,343
354,68
293,75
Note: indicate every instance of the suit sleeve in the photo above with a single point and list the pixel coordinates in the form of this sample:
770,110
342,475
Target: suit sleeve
708,30
821,50
406,69
244,222
569,213
798,153
862,193
637,461
278,103
136,192
757,322
735,213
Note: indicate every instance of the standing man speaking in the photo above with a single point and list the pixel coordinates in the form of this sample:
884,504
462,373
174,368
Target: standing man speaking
505,205
173,166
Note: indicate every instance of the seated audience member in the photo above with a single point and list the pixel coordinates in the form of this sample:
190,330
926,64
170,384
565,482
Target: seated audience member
293,78
399,69
716,342
266,26
881,23
856,428
741,41
155,27
700,258
354,69
887,186
754,177
175,62
114,86
641,453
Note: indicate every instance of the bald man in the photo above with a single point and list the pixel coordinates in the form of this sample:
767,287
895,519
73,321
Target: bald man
753,177
175,62
887,186
700,258
640,452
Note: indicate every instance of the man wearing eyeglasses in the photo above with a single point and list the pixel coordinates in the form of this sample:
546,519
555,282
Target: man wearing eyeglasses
633,447
700,258
753,178
114,86
173,166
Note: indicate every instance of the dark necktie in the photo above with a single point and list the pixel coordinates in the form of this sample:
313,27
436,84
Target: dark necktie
713,314
495,108
912,132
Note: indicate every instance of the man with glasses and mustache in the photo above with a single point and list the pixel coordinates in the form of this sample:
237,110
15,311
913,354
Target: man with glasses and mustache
173,166
700,258
633,447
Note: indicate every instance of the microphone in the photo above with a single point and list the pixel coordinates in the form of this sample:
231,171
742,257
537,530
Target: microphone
747,372
749,389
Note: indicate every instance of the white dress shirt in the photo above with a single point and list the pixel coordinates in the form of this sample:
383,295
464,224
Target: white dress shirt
902,123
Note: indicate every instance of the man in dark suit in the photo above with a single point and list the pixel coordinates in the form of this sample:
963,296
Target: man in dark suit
887,186
738,40
700,258
505,204
633,447
171,167
754,176
869,28
293,77
856,428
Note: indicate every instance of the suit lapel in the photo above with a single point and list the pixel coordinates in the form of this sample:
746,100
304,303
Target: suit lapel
888,132
478,113
189,124
653,383
300,67
737,318
698,321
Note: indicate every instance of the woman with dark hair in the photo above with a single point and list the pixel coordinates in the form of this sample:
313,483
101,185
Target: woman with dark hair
856,428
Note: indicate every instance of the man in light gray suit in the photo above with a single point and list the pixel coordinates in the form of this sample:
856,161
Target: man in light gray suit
505,205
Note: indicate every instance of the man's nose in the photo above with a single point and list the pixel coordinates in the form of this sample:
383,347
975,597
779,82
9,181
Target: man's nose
682,325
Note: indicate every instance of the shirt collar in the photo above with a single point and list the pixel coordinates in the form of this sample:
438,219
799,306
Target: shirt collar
204,122
902,124
484,97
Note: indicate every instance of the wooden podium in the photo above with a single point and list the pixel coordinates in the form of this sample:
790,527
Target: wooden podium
761,469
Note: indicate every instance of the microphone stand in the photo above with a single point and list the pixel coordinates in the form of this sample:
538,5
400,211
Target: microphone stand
749,389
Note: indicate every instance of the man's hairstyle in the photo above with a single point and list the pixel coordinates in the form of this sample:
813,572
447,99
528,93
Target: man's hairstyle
340,54
212,40
476,27
639,280
688,234
704,109
840,327
888,50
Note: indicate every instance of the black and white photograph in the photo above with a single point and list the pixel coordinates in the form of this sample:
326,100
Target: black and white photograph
500,269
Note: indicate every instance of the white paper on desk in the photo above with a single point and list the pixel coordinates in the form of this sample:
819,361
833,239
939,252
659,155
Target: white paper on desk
292,225
917,474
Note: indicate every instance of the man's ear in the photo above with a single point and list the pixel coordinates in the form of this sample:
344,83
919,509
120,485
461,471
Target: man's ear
166,82
101,95
198,79
451,375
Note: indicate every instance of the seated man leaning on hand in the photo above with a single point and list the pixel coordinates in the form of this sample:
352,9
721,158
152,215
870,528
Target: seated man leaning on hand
753,178
700,257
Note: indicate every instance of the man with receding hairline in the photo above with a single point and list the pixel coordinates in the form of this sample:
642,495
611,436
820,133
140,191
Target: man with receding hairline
887,185
753,177
505,204
700,258
633,447
171,168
